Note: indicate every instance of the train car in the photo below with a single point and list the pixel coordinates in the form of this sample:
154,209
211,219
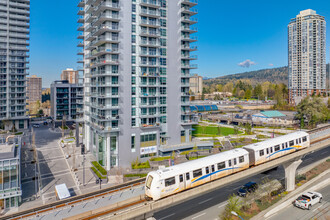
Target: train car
171,180
276,147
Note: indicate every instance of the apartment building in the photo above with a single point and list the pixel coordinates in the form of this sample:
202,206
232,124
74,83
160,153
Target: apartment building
14,42
196,84
66,100
70,75
10,174
34,89
307,55
137,61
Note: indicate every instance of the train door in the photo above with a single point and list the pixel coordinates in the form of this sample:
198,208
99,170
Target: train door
212,177
187,180
182,183
207,172
230,167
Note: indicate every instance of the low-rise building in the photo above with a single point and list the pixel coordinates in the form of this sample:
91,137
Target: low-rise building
66,100
10,174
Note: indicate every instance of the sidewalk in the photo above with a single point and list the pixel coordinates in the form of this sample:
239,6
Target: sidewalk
318,182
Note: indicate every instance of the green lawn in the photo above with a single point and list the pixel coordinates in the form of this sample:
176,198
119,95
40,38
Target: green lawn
209,131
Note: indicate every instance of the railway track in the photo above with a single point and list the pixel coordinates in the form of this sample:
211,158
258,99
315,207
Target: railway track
71,202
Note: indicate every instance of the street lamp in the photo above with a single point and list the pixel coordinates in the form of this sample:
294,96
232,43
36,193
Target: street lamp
234,213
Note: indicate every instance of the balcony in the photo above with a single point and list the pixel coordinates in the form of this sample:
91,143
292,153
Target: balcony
149,54
81,3
189,2
150,23
188,10
149,64
188,57
150,13
188,47
146,33
106,28
107,6
151,3
188,38
103,40
189,19
189,29
150,43
189,66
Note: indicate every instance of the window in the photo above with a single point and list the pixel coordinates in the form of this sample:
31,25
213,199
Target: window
235,161
304,139
286,145
229,163
212,168
197,173
267,151
149,181
283,146
133,142
170,181
277,148
297,142
241,159
207,170
291,143
181,178
221,165
271,150
187,176
261,153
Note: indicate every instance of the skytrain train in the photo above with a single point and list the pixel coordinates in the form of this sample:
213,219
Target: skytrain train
171,180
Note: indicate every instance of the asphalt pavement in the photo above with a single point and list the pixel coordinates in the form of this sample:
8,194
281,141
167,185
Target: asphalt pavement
318,211
210,205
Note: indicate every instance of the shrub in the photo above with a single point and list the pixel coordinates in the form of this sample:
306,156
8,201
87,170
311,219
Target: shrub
97,173
144,165
141,175
99,168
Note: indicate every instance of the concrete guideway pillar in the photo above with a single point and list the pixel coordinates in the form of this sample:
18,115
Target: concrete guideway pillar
290,169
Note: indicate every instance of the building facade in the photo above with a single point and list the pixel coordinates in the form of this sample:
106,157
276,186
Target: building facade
14,42
34,89
66,100
10,174
70,75
307,55
137,58
196,84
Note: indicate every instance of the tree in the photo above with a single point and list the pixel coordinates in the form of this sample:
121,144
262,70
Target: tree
234,204
248,128
257,90
248,94
228,87
313,110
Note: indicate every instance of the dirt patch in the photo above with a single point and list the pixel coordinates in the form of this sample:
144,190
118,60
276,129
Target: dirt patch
317,170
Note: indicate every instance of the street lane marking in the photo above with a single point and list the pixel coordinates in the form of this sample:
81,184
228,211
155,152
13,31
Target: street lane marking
222,205
167,216
198,216
205,201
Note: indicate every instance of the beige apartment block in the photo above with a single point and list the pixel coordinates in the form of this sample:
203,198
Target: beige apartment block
196,84
33,91
70,75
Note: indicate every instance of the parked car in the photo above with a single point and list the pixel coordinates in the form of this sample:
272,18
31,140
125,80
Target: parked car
307,200
45,123
247,188
36,125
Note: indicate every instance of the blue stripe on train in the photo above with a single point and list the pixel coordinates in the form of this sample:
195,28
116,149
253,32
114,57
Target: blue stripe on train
290,148
210,174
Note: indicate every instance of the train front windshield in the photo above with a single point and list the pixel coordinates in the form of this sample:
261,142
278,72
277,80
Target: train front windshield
149,180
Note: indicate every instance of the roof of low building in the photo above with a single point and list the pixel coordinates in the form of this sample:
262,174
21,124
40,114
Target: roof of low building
272,114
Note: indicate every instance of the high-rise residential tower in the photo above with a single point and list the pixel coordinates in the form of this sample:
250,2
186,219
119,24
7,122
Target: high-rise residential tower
137,67
70,75
14,42
307,55
33,90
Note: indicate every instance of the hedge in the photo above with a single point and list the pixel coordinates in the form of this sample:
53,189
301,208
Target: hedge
99,167
97,173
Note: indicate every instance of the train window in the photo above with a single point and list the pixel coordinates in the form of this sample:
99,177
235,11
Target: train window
296,141
241,159
212,168
304,139
261,153
229,163
271,150
291,143
207,170
181,178
197,173
169,181
235,161
277,148
283,146
267,151
299,140
149,181
286,145
187,176
221,165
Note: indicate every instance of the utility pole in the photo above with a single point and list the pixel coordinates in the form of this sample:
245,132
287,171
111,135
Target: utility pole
84,170
35,162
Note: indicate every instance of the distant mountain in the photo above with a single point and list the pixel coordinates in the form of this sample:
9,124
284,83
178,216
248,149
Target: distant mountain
274,75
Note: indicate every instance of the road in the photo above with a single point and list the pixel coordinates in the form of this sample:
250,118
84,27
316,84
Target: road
210,205
318,210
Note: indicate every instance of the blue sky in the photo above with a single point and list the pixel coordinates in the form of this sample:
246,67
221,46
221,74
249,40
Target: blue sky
230,32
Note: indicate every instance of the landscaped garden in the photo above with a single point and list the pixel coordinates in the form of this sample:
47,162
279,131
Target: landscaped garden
213,131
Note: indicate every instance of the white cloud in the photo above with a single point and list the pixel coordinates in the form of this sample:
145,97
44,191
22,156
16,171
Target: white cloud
247,63
271,64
